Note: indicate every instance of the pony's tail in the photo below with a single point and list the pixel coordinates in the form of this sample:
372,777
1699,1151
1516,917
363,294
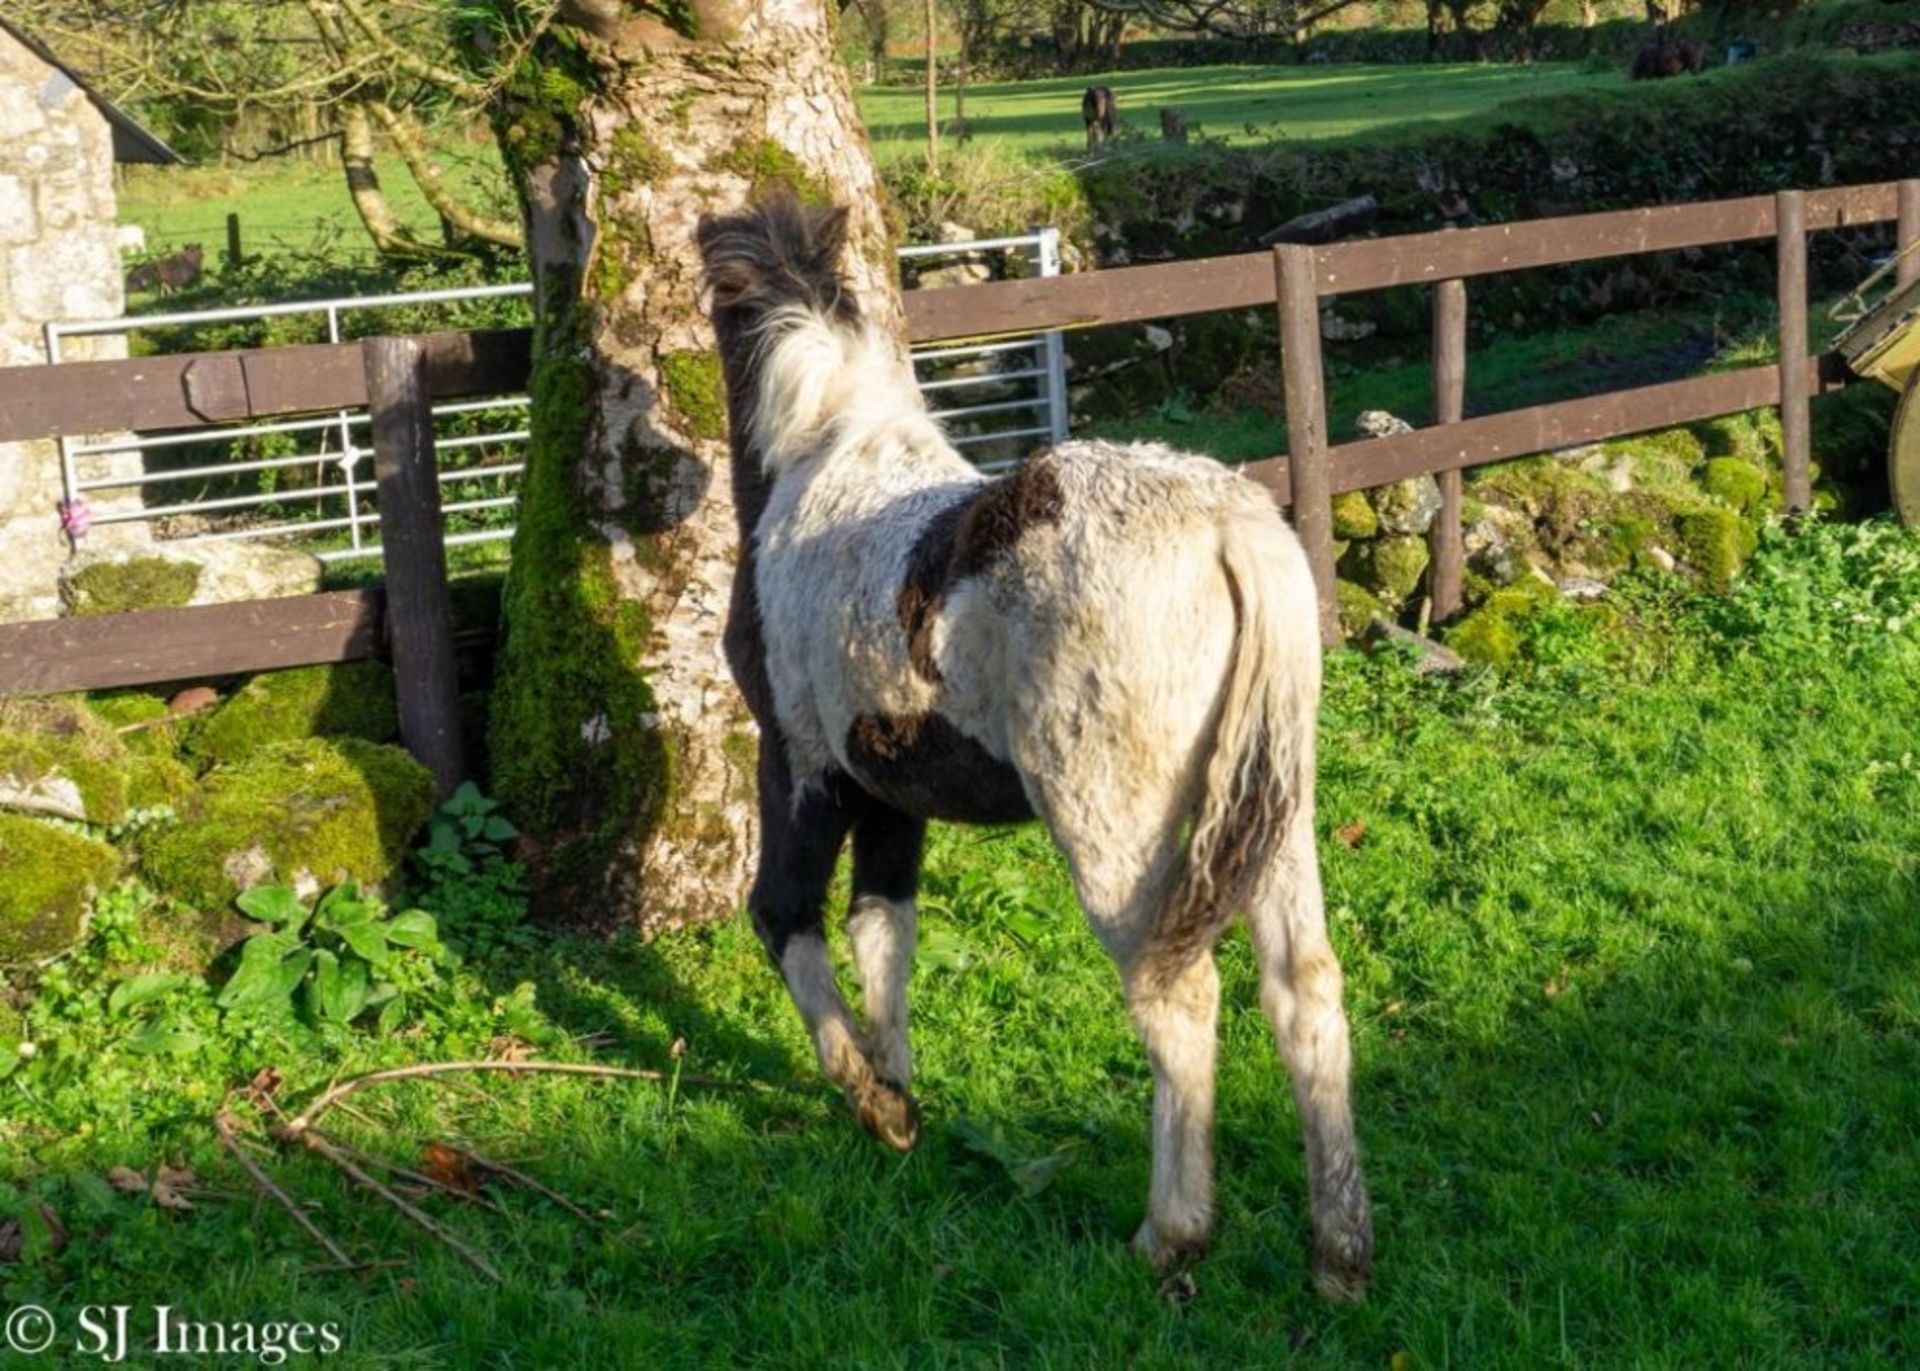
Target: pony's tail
1260,770
788,327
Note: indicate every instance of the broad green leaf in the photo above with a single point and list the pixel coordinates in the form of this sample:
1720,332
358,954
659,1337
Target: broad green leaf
139,990
272,904
338,990
368,941
9,1056
160,1037
500,830
414,928
392,1014
257,973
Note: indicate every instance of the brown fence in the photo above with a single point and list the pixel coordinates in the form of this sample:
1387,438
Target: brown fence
399,378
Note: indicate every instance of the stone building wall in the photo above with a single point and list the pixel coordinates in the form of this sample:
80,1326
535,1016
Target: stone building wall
59,261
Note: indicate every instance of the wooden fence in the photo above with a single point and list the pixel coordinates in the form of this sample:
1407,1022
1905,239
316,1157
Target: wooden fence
399,378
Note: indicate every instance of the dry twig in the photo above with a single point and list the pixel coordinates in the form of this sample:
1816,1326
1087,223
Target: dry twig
223,1126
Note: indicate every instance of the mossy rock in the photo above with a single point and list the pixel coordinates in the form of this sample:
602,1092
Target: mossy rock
157,779
318,811
1492,634
1407,506
1353,517
57,758
1716,543
1754,436
1737,483
1666,457
1358,607
349,700
1390,567
51,878
137,583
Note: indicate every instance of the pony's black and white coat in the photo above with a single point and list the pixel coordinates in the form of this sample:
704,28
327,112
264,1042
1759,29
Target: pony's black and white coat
1119,640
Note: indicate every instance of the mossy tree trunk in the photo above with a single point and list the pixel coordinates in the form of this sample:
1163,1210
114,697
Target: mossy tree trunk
618,740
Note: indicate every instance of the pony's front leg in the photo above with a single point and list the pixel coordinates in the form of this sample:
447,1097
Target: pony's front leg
1177,1021
800,841
882,926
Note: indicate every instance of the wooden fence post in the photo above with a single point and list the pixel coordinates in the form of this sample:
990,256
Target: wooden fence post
1907,233
1449,407
1790,224
419,612
1303,386
233,240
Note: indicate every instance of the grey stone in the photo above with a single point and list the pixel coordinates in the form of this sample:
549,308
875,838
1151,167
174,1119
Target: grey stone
1407,506
1429,658
1377,423
1489,551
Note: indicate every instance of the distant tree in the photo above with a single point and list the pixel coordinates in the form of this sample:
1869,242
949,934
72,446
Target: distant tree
347,73
1243,19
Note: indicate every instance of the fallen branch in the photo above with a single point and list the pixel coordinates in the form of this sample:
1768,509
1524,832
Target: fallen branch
223,1127
315,1142
519,1177
341,1090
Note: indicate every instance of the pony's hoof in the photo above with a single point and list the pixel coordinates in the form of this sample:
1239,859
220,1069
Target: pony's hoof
1342,1271
1167,1254
890,1114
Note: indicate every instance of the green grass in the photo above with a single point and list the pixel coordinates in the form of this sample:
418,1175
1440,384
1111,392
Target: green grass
296,205
1631,964
1242,104
299,205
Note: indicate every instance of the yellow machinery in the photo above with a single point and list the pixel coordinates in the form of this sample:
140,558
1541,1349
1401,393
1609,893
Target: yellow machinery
1884,345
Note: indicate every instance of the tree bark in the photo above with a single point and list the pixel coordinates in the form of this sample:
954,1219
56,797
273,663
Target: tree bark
933,86
618,739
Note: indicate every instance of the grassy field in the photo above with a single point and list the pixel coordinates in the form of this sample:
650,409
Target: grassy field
1298,103
299,205
1631,960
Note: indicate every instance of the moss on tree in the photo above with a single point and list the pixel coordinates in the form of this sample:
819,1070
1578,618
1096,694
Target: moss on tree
572,727
51,877
697,391
317,810
761,162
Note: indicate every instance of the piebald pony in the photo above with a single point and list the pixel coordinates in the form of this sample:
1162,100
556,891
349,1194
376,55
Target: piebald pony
1118,639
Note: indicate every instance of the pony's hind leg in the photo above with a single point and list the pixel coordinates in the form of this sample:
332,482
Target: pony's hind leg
800,840
1300,990
882,927
1177,1022
1122,852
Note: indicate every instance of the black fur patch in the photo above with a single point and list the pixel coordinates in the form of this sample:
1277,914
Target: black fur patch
965,539
923,765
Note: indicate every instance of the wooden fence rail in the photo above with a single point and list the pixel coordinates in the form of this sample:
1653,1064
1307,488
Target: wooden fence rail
402,376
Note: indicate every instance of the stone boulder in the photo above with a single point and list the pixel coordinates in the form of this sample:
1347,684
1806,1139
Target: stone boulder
166,575
52,876
57,760
350,700
311,813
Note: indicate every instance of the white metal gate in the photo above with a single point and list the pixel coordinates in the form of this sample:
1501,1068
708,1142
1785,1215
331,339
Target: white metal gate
1000,399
